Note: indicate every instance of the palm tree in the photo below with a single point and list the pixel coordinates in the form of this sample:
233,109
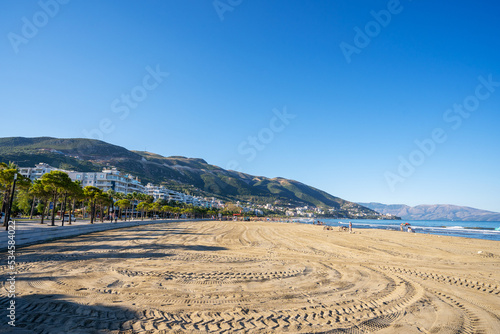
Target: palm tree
155,207
176,211
149,198
91,193
3,184
135,199
55,182
123,204
66,191
39,192
131,199
140,198
143,207
202,211
75,194
33,201
185,212
103,200
165,209
147,208
7,173
113,195
119,195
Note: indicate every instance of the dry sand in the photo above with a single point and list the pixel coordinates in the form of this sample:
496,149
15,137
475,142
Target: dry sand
257,277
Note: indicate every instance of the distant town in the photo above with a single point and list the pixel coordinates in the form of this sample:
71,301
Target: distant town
110,178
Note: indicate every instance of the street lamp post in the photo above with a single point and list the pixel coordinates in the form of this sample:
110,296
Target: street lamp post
9,208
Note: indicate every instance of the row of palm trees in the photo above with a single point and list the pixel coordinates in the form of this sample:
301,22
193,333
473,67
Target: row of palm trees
57,187
65,195
137,203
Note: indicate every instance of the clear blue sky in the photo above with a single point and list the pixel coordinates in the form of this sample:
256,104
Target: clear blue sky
67,70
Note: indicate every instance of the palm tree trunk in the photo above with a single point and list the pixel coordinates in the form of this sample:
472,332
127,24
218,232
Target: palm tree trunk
5,205
5,198
32,207
92,212
53,218
63,208
71,209
43,211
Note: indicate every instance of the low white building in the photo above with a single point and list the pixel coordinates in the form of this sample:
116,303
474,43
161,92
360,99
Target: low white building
160,192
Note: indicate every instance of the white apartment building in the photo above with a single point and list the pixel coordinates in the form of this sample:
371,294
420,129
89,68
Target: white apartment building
34,173
113,179
160,192
109,179
214,203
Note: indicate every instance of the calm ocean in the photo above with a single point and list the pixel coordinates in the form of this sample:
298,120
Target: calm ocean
477,230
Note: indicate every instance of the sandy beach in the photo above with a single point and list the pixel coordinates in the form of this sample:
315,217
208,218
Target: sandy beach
256,277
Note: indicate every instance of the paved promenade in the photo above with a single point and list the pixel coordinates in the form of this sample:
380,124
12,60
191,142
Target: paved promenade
30,232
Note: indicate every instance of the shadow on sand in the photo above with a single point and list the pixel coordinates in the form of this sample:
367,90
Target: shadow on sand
53,314
98,245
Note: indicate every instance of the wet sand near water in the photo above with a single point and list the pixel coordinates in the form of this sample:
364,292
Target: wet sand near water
256,277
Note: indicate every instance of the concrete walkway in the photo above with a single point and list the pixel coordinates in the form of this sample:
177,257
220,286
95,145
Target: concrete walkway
32,232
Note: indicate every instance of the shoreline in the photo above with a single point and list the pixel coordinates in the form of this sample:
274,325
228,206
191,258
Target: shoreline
486,232
257,277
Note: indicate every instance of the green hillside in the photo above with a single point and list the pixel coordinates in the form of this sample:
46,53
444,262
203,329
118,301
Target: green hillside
190,175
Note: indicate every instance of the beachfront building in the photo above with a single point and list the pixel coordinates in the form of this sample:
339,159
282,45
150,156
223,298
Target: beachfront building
214,203
160,192
34,173
113,179
210,203
109,179
199,201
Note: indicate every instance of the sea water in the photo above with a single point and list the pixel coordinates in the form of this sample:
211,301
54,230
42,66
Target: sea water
477,230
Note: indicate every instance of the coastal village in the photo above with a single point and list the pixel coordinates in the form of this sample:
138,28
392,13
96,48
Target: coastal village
110,178
113,179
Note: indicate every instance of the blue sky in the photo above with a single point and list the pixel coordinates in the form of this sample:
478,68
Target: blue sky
346,124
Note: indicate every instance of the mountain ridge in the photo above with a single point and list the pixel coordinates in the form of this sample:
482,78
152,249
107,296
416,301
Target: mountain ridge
434,212
190,175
